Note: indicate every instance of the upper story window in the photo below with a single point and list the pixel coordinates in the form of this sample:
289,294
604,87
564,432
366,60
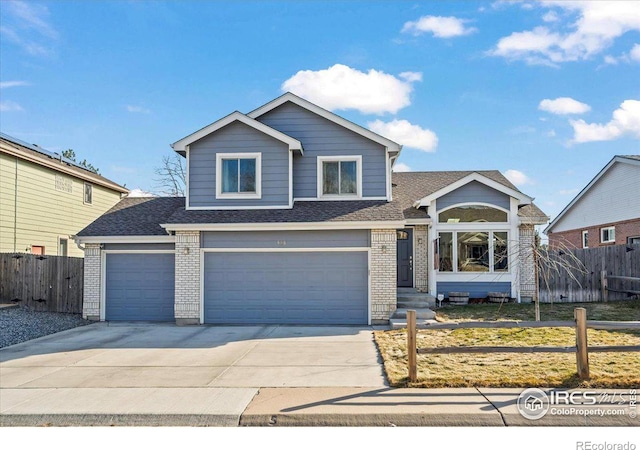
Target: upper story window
607,235
472,213
88,193
238,175
339,176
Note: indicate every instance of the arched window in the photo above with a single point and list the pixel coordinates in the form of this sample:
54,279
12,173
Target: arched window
472,213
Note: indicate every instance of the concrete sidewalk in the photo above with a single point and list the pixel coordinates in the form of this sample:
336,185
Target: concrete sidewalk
279,407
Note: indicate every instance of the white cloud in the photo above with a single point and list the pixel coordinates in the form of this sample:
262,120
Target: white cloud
551,16
634,54
140,193
596,26
563,105
441,27
516,177
551,133
8,105
340,87
625,121
401,167
611,60
27,26
10,84
137,109
405,133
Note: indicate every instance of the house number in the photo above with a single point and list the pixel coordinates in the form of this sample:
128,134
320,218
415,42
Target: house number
282,243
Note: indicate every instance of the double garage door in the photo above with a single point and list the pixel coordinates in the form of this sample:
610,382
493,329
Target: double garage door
245,287
293,287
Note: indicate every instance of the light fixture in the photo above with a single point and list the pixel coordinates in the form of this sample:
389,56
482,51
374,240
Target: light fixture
185,251
420,240
384,249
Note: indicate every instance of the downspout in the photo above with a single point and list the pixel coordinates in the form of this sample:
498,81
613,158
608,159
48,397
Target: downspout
15,209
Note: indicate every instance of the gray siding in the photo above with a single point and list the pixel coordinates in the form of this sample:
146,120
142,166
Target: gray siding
321,137
140,286
168,246
238,138
293,239
479,289
615,197
473,192
328,288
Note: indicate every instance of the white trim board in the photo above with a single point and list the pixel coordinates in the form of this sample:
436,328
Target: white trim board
180,146
284,226
124,239
289,97
522,198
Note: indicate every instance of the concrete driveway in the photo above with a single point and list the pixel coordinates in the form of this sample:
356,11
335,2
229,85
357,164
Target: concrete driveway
135,355
213,370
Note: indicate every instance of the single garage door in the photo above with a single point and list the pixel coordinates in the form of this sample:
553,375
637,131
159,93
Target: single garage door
322,287
140,286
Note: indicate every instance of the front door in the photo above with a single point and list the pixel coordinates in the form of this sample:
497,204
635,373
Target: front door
405,257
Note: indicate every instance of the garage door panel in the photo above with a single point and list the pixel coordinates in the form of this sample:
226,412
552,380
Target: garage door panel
140,286
286,287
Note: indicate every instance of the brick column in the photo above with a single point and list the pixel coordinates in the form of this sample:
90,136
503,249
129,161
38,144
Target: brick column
383,275
421,257
187,294
91,293
526,262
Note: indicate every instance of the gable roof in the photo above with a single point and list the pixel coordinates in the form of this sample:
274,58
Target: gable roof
289,97
625,159
180,146
46,158
411,186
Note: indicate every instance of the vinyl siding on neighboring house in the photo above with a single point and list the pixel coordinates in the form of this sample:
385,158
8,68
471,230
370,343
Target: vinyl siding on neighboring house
43,213
473,192
321,137
613,198
238,138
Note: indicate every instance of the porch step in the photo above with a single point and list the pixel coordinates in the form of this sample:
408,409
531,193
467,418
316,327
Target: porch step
415,304
397,324
421,313
411,299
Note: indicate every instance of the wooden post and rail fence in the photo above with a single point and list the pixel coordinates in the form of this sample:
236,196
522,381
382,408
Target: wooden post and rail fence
581,349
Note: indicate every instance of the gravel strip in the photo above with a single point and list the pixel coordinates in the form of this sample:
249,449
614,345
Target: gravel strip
19,324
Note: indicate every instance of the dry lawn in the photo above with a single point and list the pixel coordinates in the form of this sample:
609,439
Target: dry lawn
608,370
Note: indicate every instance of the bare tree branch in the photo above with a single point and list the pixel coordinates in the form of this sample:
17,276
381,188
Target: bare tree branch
171,176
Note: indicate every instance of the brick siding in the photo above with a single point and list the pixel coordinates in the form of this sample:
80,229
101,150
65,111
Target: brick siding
573,238
421,258
92,270
187,287
383,275
527,271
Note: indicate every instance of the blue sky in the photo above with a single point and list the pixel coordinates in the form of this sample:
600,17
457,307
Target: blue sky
546,92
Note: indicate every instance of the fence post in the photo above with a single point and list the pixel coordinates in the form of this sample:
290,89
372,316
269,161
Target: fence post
582,354
604,285
411,346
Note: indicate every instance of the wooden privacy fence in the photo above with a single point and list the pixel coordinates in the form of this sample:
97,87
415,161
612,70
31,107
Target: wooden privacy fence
42,283
581,278
581,349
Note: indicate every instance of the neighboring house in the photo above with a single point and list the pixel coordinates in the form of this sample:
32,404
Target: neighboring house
292,215
605,212
45,199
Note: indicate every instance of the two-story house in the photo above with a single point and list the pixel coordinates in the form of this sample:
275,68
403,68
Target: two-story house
45,199
605,212
293,215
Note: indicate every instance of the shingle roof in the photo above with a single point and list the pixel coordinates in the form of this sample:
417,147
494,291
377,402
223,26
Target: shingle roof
135,216
408,187
636,157
305,212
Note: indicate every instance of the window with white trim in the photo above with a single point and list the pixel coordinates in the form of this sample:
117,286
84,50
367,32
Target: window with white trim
339,176
607,235
238,175
88,193
473,251
585,239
